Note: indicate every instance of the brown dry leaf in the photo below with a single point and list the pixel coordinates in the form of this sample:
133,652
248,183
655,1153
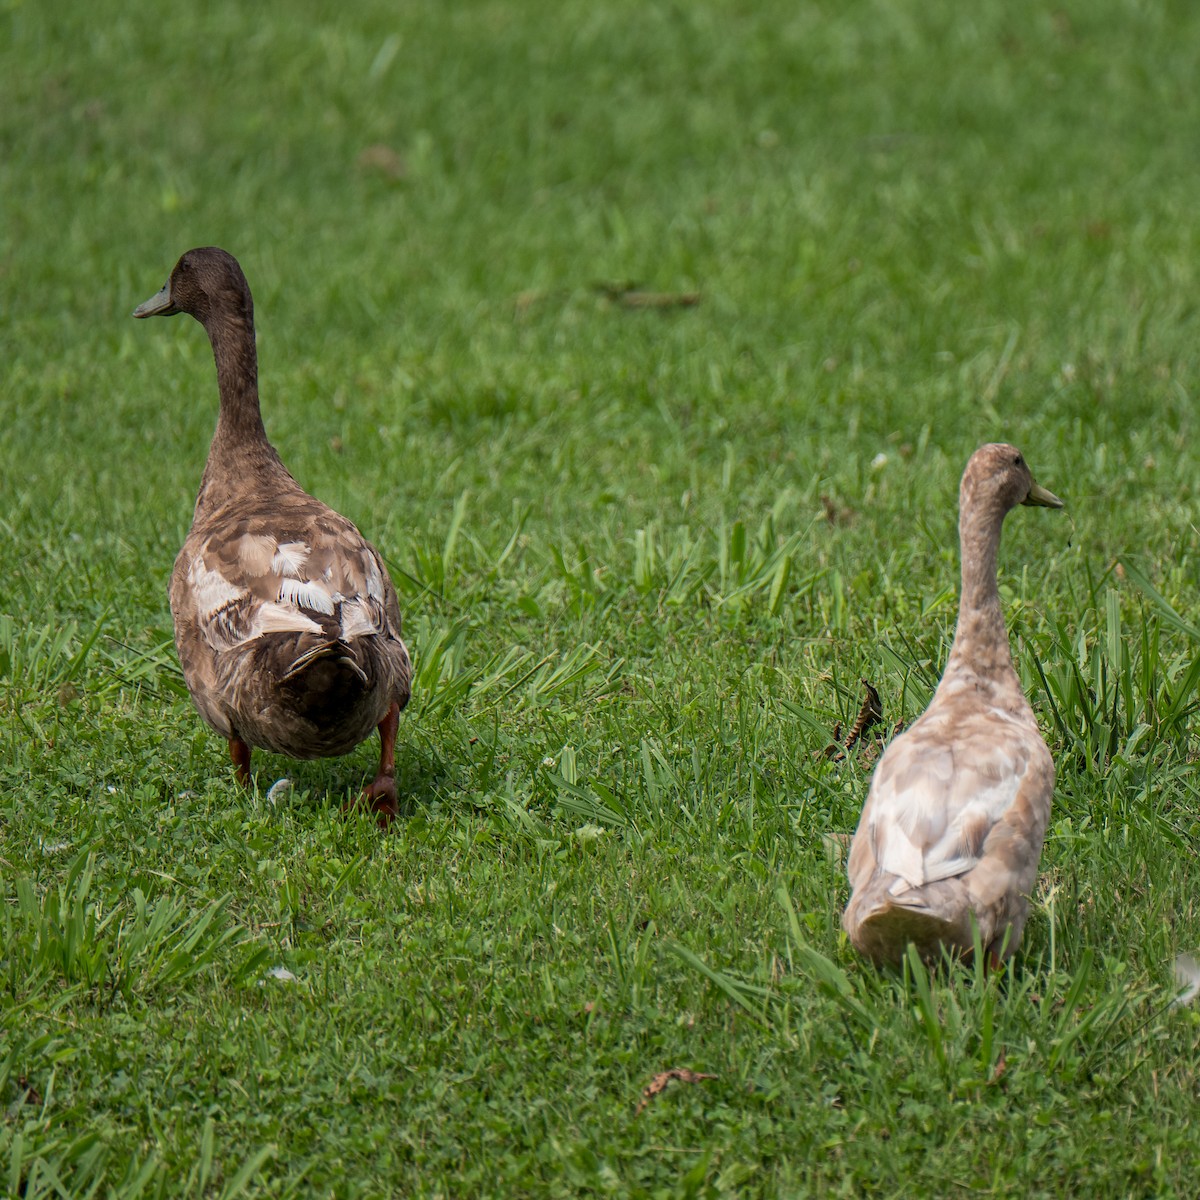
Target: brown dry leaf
524,301
1062,23
834,749
833,752
383,159
875,747
660,1081
868,756
659,299
871,713
1000,1068
835,513
614,289
26,1092
630,295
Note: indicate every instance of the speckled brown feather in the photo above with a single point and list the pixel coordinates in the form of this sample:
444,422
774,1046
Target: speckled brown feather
286,622
952,829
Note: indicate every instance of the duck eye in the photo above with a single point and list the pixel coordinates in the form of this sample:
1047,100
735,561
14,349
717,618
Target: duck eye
1018,461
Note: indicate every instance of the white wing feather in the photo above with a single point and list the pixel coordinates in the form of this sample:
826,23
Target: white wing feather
930,811
290,558
231,614
212,590
358,621
307,593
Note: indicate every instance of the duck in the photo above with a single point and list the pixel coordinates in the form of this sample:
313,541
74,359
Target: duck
286,620
947,846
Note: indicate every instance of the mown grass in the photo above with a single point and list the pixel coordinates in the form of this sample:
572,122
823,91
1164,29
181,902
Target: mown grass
914,227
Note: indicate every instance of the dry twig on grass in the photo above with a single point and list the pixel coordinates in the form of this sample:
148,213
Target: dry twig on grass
660,1081
631,296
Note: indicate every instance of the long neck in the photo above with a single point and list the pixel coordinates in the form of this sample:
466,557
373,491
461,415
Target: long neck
240,422
240,452
981,638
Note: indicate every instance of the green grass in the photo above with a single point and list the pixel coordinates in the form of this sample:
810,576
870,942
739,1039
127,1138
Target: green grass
915,226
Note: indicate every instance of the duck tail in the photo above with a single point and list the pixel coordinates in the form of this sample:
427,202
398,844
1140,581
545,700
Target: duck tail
882,926
336,649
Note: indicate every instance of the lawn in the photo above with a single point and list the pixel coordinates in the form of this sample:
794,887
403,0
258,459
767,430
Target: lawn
648,342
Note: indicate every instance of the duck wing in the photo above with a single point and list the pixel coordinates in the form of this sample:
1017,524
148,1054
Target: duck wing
944,799
245,578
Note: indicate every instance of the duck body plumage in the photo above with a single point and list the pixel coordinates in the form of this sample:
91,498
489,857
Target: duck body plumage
287,628
947,847
953,827
286,620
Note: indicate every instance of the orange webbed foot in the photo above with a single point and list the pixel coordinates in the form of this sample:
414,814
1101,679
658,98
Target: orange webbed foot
379,796
239,754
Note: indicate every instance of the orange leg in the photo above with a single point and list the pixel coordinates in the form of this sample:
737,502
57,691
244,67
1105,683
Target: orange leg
239,751
380,793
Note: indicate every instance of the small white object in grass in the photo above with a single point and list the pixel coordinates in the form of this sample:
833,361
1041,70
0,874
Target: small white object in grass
277,789
547,762
1187,977
588,833
186,794
281,973
879,462
111,789
55,847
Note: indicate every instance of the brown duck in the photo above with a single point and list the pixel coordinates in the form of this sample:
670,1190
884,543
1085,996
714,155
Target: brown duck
286,620
951,832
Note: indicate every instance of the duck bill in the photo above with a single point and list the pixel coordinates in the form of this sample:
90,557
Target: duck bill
1041,497
159,305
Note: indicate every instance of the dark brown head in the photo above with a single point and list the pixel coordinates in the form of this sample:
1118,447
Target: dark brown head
997,477
204,282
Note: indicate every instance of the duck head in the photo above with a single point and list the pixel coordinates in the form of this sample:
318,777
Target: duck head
205,280
997,475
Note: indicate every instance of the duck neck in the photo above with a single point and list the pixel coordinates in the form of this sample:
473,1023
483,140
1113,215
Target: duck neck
232,338
981,638
240,451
